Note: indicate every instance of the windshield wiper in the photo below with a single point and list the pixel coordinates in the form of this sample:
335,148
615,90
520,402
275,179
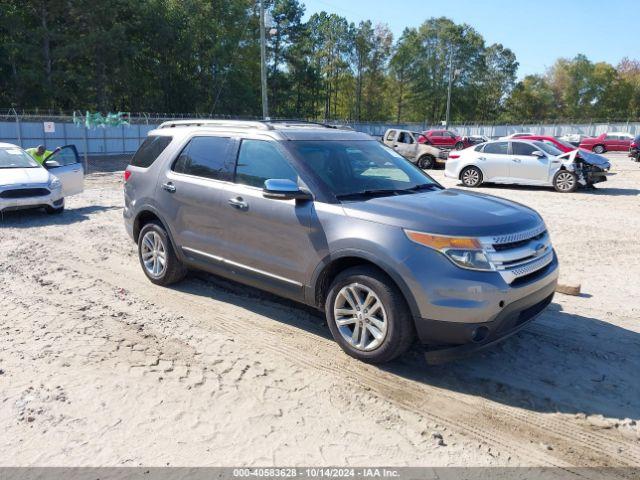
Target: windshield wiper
369,193
424,186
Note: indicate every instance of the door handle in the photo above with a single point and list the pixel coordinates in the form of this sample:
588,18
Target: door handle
482,158
169,187
238,203
517,160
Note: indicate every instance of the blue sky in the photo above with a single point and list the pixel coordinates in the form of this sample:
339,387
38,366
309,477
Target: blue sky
538,31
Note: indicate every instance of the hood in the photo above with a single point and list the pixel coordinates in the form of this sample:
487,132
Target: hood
587,157
447,212
19,176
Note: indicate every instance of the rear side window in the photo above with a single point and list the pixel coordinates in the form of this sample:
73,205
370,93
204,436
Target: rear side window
499,148
208,157
391,135
150,149
259,161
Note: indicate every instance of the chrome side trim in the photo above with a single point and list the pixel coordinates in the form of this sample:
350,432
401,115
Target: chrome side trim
240,265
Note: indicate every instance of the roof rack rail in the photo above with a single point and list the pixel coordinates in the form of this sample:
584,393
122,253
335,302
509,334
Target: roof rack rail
217,123
302,123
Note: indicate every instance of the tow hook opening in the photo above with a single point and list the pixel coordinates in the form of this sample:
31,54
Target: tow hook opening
479,334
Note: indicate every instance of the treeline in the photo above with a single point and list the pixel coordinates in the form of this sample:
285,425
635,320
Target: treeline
203,56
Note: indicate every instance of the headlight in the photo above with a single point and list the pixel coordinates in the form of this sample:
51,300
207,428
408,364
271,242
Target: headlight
465,252
55,183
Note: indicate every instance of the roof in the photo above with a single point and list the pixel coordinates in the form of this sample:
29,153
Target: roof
8,145
281,130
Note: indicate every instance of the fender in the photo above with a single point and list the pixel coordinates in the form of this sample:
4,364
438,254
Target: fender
364,255
150,208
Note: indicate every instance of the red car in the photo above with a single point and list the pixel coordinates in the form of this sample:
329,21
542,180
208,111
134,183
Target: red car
561,145
443,139
608,142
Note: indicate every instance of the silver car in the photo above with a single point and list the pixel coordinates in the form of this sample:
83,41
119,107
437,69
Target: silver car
336,220
527,162
24,183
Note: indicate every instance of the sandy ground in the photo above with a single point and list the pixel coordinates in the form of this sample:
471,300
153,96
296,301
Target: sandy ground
98,367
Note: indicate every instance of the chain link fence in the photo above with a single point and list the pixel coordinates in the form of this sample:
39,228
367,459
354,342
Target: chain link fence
51,129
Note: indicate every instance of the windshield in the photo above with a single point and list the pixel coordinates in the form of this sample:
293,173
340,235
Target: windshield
550,149
14,157
360,168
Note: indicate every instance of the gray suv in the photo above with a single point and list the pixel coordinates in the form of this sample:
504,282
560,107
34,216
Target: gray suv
335,219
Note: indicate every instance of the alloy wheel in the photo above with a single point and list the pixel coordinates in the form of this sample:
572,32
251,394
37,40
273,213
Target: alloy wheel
470,177
360,317
154,254
565,181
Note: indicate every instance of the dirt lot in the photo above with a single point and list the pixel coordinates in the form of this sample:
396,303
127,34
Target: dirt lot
100,367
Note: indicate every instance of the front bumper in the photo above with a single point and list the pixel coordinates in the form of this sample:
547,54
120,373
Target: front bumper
54,199
467,339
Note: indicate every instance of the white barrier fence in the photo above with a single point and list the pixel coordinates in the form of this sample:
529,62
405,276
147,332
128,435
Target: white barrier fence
127,138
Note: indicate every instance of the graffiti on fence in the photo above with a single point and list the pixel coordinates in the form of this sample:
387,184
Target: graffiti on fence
96,119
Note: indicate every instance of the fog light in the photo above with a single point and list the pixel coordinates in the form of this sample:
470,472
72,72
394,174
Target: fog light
479,334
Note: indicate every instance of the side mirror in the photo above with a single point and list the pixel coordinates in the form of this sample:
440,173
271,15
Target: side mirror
49,164
538,154
282,189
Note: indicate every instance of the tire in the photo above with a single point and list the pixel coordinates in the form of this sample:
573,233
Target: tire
471,177
565,181
153,238
426,162
599,149
459,146
54,210
392,320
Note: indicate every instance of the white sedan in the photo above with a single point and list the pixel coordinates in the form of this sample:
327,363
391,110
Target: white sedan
526,162
24,183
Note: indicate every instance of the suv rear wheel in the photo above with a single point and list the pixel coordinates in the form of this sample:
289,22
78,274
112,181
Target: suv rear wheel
368,316
157,257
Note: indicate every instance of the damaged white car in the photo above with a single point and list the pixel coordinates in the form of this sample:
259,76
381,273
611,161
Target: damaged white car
527,162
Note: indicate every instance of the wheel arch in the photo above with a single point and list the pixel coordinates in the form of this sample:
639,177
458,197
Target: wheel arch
463,168
337,263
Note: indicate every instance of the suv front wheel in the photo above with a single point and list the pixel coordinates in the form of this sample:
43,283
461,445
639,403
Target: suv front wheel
157,257
368,316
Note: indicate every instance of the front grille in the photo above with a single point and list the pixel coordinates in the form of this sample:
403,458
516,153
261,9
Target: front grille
507,246
520,257
25,193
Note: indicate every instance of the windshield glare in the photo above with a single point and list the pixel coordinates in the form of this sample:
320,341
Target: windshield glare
14,157
550,149
351,167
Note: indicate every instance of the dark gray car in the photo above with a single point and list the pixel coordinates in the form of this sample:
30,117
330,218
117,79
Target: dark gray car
336,220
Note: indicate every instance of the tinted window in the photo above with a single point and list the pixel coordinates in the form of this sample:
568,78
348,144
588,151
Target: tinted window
499,148
520,148
259,161
207,157
150,149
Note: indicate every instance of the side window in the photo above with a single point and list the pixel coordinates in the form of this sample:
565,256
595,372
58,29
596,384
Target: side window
259,161
150,149
207,157
499,148
611,137
520,148
391,135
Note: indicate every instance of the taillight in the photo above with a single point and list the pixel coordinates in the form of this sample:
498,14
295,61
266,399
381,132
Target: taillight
127,175
454,155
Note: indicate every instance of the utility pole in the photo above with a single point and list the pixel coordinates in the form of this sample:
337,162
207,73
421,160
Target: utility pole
446,126
263,64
